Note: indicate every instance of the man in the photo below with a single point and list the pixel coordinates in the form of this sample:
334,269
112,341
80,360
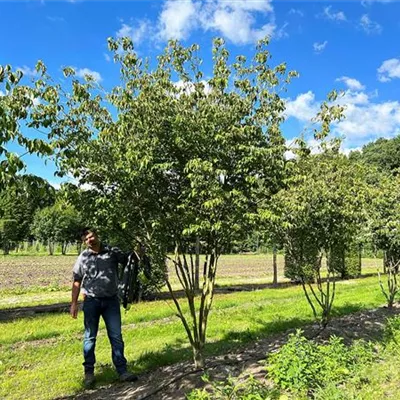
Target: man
96,271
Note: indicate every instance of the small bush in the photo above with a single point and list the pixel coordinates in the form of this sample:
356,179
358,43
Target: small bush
302,365
234,389
391,332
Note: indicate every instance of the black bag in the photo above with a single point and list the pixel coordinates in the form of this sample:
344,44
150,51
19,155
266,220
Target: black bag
130,287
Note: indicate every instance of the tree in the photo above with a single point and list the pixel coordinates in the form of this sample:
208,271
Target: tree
384,220
8,233
22,198
321,209
171,157
59,223
383,154
17,105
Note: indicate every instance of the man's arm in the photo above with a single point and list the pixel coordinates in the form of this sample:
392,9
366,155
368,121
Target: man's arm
76,288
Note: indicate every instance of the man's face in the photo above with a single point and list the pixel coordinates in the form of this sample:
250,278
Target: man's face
91,240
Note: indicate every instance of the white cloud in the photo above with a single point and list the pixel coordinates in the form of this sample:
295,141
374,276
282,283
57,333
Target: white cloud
137,32
390,69
125,31
319,47
369,26
295,11
177,19
56,185
281,33
188,87
82,72
235,20
351,83
27,71
366,3
334,16
2,93
303,108
55,19
348,150
365,120
107,57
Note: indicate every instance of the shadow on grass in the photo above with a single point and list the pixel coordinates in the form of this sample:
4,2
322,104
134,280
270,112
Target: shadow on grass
33,311
354,323
23,312
179,352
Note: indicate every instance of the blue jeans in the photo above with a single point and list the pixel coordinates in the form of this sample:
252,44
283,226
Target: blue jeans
109,309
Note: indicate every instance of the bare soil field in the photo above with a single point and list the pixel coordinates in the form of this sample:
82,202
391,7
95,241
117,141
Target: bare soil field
24,272
27,272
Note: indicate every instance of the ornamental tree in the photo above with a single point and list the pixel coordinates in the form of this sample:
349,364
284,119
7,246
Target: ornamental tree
321,209
384,218
172,157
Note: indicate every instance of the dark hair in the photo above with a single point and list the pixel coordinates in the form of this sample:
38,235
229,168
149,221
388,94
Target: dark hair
87,230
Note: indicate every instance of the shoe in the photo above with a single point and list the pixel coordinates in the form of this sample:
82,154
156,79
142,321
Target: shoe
89,380
128,377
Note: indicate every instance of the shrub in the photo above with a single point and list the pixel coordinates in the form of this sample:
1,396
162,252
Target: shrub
302,365
234,389
391,332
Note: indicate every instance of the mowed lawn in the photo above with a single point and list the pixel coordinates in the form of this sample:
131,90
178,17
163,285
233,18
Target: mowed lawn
41,356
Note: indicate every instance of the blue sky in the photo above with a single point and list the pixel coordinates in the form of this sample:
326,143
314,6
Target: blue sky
350,45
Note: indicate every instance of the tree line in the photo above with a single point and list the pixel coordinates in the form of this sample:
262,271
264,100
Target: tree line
32,210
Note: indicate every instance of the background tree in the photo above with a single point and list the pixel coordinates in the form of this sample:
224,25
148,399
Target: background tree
59,223
321,209
383,154
8,233
22,198
384,214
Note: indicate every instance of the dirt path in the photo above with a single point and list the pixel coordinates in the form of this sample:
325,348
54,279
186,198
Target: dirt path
173,382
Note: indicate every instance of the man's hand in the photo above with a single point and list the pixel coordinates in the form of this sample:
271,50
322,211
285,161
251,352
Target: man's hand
74,310
76,287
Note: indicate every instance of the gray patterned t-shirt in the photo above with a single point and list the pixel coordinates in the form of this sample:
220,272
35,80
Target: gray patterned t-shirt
98,272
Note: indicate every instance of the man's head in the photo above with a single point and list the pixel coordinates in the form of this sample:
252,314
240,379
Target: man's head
90,238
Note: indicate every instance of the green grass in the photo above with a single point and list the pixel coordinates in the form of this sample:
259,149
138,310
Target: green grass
41,355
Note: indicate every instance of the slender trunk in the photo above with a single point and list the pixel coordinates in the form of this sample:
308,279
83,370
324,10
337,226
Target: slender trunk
359,259
275,266
384,262
197,265
51,247
6,247
198,357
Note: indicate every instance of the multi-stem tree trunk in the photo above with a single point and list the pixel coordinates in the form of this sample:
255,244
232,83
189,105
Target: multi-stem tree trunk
320,295
195,323
392,270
